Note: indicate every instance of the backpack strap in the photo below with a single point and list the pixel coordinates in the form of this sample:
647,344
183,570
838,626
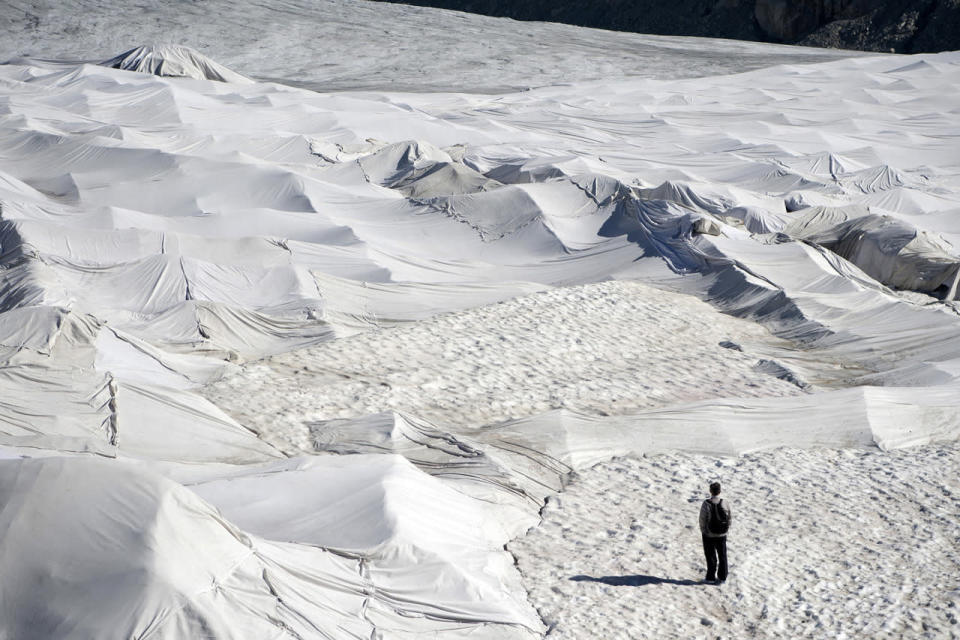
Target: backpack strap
721,512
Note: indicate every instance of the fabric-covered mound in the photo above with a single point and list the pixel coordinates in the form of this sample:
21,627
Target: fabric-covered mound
891,251
95,548
174,61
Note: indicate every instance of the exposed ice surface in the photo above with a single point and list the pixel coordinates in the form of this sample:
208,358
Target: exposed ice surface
358,45
613,347
285,363
824,543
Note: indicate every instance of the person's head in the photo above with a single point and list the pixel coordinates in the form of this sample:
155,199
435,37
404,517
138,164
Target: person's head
714,488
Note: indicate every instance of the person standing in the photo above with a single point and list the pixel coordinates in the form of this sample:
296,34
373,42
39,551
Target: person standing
714,523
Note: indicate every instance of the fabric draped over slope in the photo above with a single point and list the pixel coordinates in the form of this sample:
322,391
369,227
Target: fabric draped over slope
157,233
891,251
173,61
170,565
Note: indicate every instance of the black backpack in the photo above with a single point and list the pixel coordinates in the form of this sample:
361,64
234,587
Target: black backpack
717,521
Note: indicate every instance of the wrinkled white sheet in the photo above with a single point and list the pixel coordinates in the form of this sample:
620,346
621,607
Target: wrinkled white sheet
156,232
117,551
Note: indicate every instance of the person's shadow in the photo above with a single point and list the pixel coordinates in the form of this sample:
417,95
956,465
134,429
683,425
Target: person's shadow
633,581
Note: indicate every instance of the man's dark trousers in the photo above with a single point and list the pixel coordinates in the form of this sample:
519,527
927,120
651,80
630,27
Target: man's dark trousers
716,551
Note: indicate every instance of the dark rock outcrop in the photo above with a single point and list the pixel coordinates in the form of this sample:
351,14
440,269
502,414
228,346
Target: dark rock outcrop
791,20
904,26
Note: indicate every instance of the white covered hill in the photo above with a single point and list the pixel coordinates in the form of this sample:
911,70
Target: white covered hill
173,61
289,353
